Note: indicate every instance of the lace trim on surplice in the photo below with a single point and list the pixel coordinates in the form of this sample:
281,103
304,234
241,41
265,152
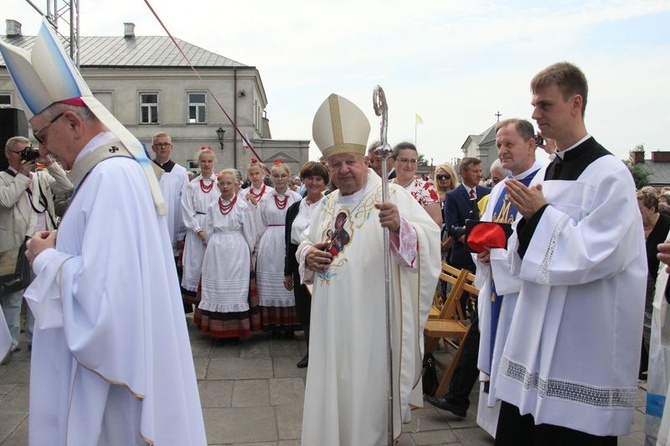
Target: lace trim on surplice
607,397
543,275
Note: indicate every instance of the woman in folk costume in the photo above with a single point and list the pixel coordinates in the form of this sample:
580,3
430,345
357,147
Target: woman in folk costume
277,303
199,194
111,361
257,189
225,268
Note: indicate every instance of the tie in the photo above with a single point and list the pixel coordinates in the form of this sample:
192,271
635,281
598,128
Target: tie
472,194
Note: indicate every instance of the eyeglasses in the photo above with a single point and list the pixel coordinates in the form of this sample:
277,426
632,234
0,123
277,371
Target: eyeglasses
162,145
38,135
407,160
443,176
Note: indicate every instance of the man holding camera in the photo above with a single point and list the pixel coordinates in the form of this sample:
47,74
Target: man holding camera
26,207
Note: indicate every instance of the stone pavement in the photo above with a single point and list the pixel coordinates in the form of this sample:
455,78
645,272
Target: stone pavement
252,395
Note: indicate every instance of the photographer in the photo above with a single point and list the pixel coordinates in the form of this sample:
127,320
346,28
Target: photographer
26,207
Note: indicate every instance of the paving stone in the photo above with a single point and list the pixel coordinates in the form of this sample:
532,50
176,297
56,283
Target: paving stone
217,393
251,393
285,367
256,347
285,347
289,421
240,425
444,436
200,365
473,436
16,400
287,391
9,427
240,368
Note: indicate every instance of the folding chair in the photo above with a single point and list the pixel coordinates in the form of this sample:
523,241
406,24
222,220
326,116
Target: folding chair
451,327
450,275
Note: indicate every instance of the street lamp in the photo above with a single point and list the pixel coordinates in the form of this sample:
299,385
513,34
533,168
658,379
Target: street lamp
220,133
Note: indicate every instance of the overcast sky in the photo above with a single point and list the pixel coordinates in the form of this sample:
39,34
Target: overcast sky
456,64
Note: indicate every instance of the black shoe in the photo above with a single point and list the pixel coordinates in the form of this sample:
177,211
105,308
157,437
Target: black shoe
303,362
442,403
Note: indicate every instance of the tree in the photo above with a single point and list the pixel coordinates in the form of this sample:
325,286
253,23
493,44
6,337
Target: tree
639,173
421,160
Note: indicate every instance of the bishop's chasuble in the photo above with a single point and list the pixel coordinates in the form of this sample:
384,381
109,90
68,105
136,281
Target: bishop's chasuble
347,378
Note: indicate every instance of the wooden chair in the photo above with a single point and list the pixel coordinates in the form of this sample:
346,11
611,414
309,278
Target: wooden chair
450,327
438,309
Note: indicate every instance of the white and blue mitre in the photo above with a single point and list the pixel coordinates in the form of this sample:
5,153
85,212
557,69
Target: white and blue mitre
46,75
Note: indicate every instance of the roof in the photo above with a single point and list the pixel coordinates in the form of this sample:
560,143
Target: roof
659,173
139,51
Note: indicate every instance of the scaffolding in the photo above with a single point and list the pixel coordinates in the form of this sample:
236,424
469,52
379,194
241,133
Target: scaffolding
63,15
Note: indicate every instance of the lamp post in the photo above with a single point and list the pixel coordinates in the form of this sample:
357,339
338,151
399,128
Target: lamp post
220,134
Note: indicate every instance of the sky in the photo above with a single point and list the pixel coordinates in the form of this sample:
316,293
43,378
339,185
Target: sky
454,63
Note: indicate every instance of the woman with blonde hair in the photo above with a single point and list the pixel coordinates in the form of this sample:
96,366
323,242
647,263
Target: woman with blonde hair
278,312
226,310
444,180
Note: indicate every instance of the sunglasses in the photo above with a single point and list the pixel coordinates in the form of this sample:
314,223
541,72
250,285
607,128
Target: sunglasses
444,176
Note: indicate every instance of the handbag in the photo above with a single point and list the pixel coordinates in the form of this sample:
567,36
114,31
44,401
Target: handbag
429,375
20,279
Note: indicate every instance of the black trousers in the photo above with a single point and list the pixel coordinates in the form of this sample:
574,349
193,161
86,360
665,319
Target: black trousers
515,429
466,372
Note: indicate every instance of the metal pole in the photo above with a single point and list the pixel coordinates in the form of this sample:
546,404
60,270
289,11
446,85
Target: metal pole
384,151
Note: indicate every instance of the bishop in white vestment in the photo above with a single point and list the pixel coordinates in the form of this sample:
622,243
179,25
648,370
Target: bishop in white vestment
347,378
111,360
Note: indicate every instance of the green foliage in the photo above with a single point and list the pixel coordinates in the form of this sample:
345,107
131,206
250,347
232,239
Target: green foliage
422,161
640,175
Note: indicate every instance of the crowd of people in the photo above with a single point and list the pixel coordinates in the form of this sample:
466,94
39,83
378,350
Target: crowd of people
569,314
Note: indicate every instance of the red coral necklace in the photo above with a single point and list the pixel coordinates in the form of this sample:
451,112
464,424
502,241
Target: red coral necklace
281,204
259,194
206,189
226,208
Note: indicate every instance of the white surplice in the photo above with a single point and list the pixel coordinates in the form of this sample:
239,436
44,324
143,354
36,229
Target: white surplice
508,286
111,359
172,186
194,204
347,378
5,337
571,356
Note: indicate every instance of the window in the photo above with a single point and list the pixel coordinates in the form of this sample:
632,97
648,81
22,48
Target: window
148,108
197,109
5,100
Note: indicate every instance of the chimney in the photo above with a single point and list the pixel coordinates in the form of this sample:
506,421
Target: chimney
637,157
129,30
659,156
13,28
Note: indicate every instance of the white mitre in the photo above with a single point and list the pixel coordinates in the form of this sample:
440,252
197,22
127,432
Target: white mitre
340,127
46,75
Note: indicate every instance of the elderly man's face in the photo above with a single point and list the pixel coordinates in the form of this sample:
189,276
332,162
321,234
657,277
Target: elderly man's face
349,172
13,157
57,136
375,162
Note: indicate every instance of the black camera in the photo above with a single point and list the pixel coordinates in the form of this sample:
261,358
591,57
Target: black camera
456,231
539,140
29,153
